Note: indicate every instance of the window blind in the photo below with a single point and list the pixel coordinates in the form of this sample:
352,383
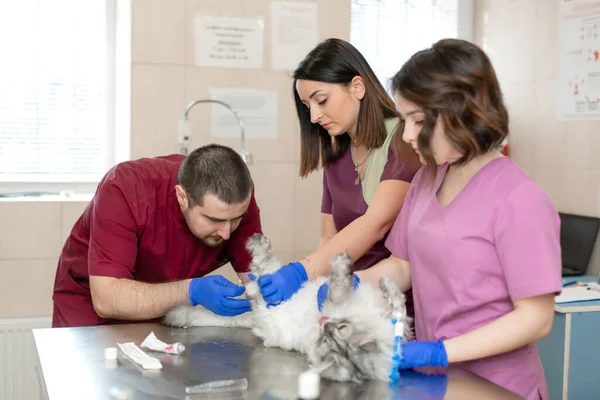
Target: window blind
389,32
54,76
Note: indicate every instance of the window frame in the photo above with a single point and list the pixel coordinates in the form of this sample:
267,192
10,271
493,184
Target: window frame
117,31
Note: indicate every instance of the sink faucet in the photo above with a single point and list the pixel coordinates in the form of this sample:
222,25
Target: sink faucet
183,136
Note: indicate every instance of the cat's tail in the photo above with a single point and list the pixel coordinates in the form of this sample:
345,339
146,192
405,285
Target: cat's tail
188,316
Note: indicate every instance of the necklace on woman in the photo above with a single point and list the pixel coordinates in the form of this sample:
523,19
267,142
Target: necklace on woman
356,166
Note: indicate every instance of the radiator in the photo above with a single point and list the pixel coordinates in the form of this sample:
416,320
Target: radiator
18,359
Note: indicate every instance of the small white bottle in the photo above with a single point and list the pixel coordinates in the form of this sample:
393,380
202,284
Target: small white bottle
309,383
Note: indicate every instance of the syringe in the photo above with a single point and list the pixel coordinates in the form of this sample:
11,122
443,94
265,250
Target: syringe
397,346
230,385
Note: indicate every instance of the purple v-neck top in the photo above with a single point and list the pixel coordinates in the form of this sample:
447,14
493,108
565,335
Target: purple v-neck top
345,202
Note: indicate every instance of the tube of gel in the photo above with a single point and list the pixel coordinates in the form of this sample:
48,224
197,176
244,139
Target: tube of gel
153,343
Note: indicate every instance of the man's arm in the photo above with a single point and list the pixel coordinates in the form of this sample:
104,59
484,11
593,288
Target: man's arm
131,300
111,263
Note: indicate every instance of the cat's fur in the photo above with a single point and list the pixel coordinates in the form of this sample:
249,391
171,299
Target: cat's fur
350,340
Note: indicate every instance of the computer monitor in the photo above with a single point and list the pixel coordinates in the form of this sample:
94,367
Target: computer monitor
578,235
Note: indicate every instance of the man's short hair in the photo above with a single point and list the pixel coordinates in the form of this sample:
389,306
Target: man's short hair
218,170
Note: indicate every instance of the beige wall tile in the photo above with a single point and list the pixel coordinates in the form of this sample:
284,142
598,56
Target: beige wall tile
518,98
275,196
157,106
334,19
26,287
30,230
308,212
546,39
158,31
572,190
519,37
285,257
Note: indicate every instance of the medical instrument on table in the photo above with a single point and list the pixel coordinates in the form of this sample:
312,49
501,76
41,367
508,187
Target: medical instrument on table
153,343
567,284
138,356
398,339
110,353
309,385
183,136
230,385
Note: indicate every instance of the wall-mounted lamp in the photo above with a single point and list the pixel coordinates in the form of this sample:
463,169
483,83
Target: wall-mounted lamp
183,136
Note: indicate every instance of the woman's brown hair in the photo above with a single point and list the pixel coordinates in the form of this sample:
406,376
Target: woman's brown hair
337,61
455,80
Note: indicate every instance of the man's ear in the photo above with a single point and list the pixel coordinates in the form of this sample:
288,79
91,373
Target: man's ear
357,85
182,198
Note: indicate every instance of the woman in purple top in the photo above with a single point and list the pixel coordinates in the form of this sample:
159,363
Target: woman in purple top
347,121
478,240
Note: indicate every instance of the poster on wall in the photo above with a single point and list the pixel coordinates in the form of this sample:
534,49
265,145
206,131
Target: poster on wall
256,108
293,33
227,42
578,80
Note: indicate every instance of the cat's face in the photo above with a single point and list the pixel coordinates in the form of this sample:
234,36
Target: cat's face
349,350
355,337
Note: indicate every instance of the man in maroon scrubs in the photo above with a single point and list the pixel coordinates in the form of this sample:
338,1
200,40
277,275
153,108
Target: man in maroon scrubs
154,229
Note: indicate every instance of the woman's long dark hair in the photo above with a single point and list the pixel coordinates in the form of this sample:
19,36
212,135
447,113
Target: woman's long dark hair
337,61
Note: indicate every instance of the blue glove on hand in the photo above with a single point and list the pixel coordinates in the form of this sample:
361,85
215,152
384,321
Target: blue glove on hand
214,293
422,354
281,284
322,293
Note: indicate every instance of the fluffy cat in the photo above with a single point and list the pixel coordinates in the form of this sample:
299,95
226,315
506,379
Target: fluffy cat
351,339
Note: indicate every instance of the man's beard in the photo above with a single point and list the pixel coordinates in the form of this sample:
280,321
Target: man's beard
212,241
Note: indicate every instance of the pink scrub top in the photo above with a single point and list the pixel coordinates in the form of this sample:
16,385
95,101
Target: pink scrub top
496,242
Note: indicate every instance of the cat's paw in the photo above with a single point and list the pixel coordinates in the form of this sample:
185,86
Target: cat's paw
393,295
252,289
258,244
342,264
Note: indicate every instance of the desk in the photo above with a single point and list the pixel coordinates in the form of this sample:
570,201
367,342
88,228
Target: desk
73,367
571,352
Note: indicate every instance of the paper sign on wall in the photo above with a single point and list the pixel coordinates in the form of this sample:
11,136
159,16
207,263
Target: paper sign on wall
578,80
229,42
256,108
293,33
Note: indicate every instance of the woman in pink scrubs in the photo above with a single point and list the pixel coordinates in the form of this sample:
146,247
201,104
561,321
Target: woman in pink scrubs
477,238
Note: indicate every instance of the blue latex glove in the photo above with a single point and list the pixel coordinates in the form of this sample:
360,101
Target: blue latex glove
214,293
282,284
422,354
322,293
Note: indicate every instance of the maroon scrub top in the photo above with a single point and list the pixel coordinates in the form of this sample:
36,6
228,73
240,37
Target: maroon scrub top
345,202
133,228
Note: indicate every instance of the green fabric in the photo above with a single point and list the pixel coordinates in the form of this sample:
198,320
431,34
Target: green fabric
377,161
